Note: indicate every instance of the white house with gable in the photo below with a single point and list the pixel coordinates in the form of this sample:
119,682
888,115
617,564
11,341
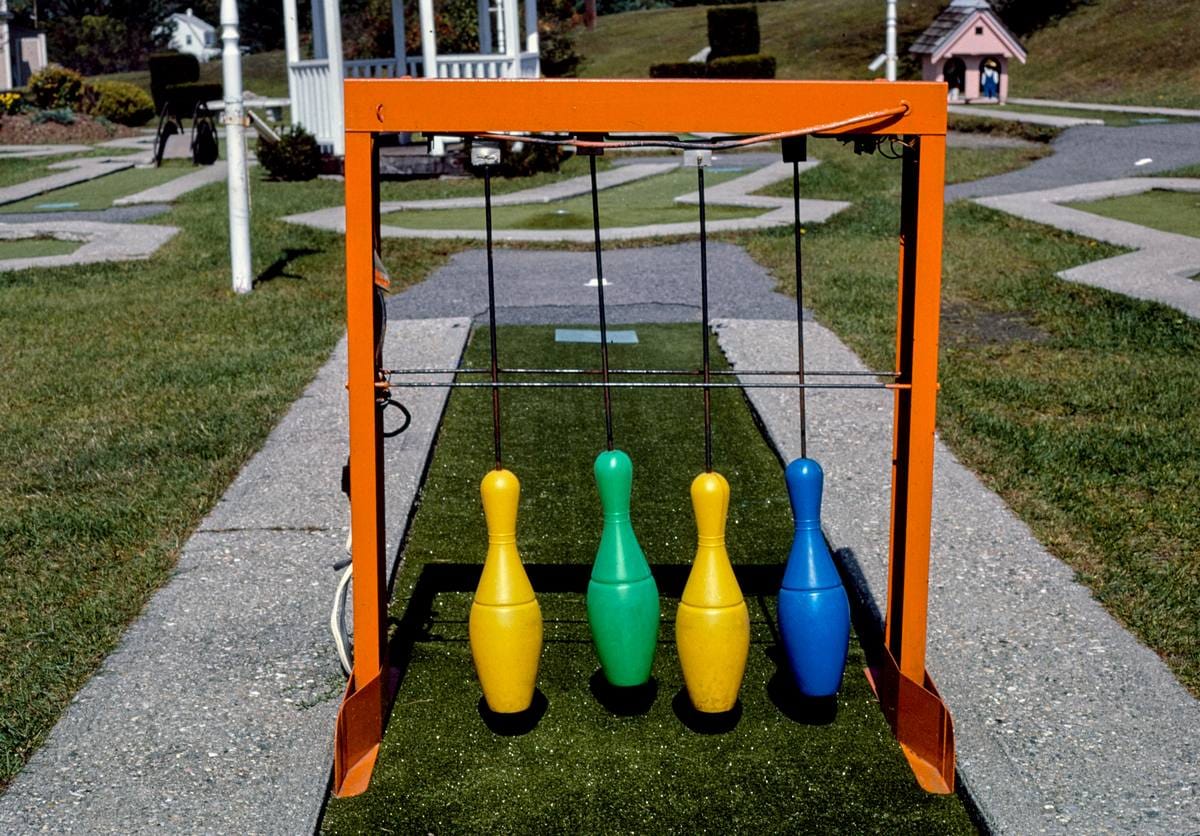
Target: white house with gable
192,35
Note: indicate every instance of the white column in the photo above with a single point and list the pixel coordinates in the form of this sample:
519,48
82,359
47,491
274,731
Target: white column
6,79
318,27
399,51
428,40
333,48
512,37
531,26
484,12
235,150
891,40
291,48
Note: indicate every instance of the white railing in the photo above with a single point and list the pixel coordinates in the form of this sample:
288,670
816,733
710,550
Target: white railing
314,107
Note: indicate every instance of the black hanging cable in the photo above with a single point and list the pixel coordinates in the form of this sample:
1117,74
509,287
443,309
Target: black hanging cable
608,423
799,235
707,367
491,276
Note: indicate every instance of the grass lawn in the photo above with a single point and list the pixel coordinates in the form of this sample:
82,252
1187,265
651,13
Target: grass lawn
263,73
1113,119
1080,407
585,768
175,383
1158,208
101,192
36,247
642,202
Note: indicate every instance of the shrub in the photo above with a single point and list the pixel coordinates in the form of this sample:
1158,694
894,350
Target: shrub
296,156
120,102
733,30
61,116
679,69
183,98
742,66
56,87
167,68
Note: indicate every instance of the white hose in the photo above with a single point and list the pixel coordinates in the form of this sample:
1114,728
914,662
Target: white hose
337,618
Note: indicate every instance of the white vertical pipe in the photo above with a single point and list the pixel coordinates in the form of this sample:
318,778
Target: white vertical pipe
512,38
531,26
333,48
291,49
235,149
891,40
428,40
318,27
399,49
484,12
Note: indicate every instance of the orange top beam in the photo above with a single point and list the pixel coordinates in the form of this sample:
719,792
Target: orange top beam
610,106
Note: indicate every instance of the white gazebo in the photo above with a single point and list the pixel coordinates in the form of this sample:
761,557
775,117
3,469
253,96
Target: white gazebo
315,84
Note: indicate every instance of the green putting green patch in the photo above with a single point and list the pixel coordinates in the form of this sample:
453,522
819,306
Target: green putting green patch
647,201
36,247
100,193
587,759
1168,211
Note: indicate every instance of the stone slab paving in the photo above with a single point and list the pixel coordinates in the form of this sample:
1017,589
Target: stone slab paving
78,171
100,242
1161,268
1112,108
26,152
1064,722
215,713
175,189
985,112
735,192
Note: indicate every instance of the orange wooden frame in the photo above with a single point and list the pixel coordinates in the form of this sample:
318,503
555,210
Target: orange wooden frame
915,712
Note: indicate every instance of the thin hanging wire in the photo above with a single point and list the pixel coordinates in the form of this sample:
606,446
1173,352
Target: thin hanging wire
608,422
491,277
798,234
707,366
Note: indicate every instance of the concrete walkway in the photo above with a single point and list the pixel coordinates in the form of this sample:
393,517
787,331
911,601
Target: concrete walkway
1109,108
735,192
99,242
990,112
77,171
215,714
1160,269
1064,722
171,191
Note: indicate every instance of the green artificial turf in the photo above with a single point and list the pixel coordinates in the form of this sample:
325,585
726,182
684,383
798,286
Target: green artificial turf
36,247
102,191
647,201
1169,211
651,765
133,393
1080,407
1111,118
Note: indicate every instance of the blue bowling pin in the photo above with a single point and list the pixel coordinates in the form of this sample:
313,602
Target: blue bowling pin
814,614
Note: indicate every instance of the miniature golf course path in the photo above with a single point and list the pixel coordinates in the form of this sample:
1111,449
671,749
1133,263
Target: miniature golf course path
215,714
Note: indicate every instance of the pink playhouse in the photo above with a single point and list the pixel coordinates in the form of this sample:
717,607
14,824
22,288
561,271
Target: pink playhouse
968,47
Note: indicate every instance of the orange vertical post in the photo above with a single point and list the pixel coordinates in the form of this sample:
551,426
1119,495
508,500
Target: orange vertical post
910,700
361,717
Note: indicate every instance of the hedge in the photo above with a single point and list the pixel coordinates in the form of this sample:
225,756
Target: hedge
121,102
742,66
168,68
184,97
679,69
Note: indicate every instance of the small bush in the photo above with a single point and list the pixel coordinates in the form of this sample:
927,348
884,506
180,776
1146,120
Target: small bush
742,66
296,156
125,104
733,30
184,97
56,87
168,68
61,116
679,69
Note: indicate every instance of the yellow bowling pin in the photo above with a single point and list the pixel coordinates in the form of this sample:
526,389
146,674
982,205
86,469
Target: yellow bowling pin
506,623
712,627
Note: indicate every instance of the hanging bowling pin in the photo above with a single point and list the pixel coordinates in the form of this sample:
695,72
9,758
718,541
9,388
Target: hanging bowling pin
506,623
814,614
712,627
622,597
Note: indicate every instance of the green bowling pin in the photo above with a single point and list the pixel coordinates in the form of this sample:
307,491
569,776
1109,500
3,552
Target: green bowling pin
622,598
